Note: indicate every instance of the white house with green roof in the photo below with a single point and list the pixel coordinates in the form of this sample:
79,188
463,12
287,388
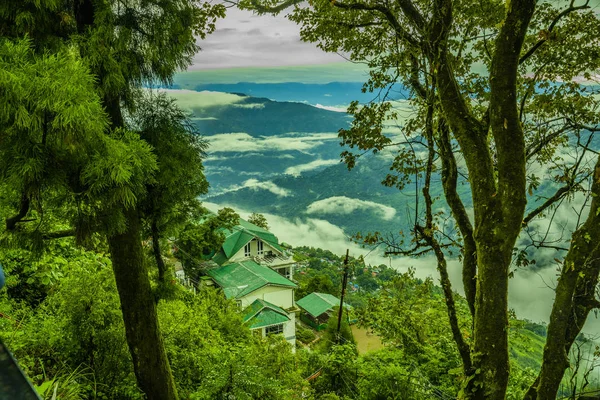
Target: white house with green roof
266,318
266,297
247,241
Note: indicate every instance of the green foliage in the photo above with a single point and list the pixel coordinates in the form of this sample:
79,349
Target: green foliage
173,193
411,316
316,281
305,335
258,220
338,371
330,336
75,336
199,240
388,374
214,357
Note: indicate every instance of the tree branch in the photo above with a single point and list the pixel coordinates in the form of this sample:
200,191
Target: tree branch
556,20
387,13
560,193
457,207
58,234
11,222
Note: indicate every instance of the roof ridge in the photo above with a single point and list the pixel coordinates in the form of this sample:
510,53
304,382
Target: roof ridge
257,311
252,272
321,297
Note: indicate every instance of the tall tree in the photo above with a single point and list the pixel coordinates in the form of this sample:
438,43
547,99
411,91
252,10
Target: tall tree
125,44
522,110
172,199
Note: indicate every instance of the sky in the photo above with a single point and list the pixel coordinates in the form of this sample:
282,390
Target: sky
243,39
264,49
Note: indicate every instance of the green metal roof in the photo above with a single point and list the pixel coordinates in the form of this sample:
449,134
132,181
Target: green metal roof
261,313
318,303
237,237
239,279
220,258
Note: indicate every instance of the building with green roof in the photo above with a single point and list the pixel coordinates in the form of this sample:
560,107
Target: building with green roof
318,308
263,294
256,271
246,281
247,241
265,318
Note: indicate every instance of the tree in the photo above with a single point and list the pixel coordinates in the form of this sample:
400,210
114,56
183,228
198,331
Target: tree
200,240
124,44
258,220
501,121
172,198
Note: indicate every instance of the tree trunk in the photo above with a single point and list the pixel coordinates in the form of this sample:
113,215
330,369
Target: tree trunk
145,342
160,263
575,298
490,339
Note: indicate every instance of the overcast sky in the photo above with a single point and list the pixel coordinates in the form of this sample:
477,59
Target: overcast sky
246,40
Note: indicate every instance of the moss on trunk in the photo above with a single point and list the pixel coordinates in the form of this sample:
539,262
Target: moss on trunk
145,342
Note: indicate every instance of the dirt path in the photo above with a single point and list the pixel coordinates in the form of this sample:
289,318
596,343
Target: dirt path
365,341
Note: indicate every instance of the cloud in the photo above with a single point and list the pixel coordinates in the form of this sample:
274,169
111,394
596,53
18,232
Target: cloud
245,39
347,205
255,184
243,142
250,105
190,99
296,170
340,109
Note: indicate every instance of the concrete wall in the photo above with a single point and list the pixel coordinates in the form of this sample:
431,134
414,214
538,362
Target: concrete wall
280,296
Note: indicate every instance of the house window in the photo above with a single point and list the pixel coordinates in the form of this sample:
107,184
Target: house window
260,246
247,250
285,272
273,330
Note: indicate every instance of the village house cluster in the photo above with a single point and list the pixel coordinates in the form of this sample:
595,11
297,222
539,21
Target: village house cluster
255,270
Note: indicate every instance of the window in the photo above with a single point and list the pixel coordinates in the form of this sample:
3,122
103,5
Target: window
260,245
247,250
285,272
274,329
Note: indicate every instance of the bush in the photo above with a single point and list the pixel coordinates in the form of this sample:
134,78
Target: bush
305,335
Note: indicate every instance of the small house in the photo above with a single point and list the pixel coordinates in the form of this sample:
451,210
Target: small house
266,319
318,307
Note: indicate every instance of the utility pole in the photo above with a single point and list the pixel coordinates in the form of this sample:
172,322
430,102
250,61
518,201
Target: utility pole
344,283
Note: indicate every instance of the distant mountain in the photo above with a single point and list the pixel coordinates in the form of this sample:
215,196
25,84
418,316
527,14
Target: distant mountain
330,94
283,158
264,117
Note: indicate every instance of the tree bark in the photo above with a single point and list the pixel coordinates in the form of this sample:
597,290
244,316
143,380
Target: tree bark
144,339
575,298
457,207
498,191
160,263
